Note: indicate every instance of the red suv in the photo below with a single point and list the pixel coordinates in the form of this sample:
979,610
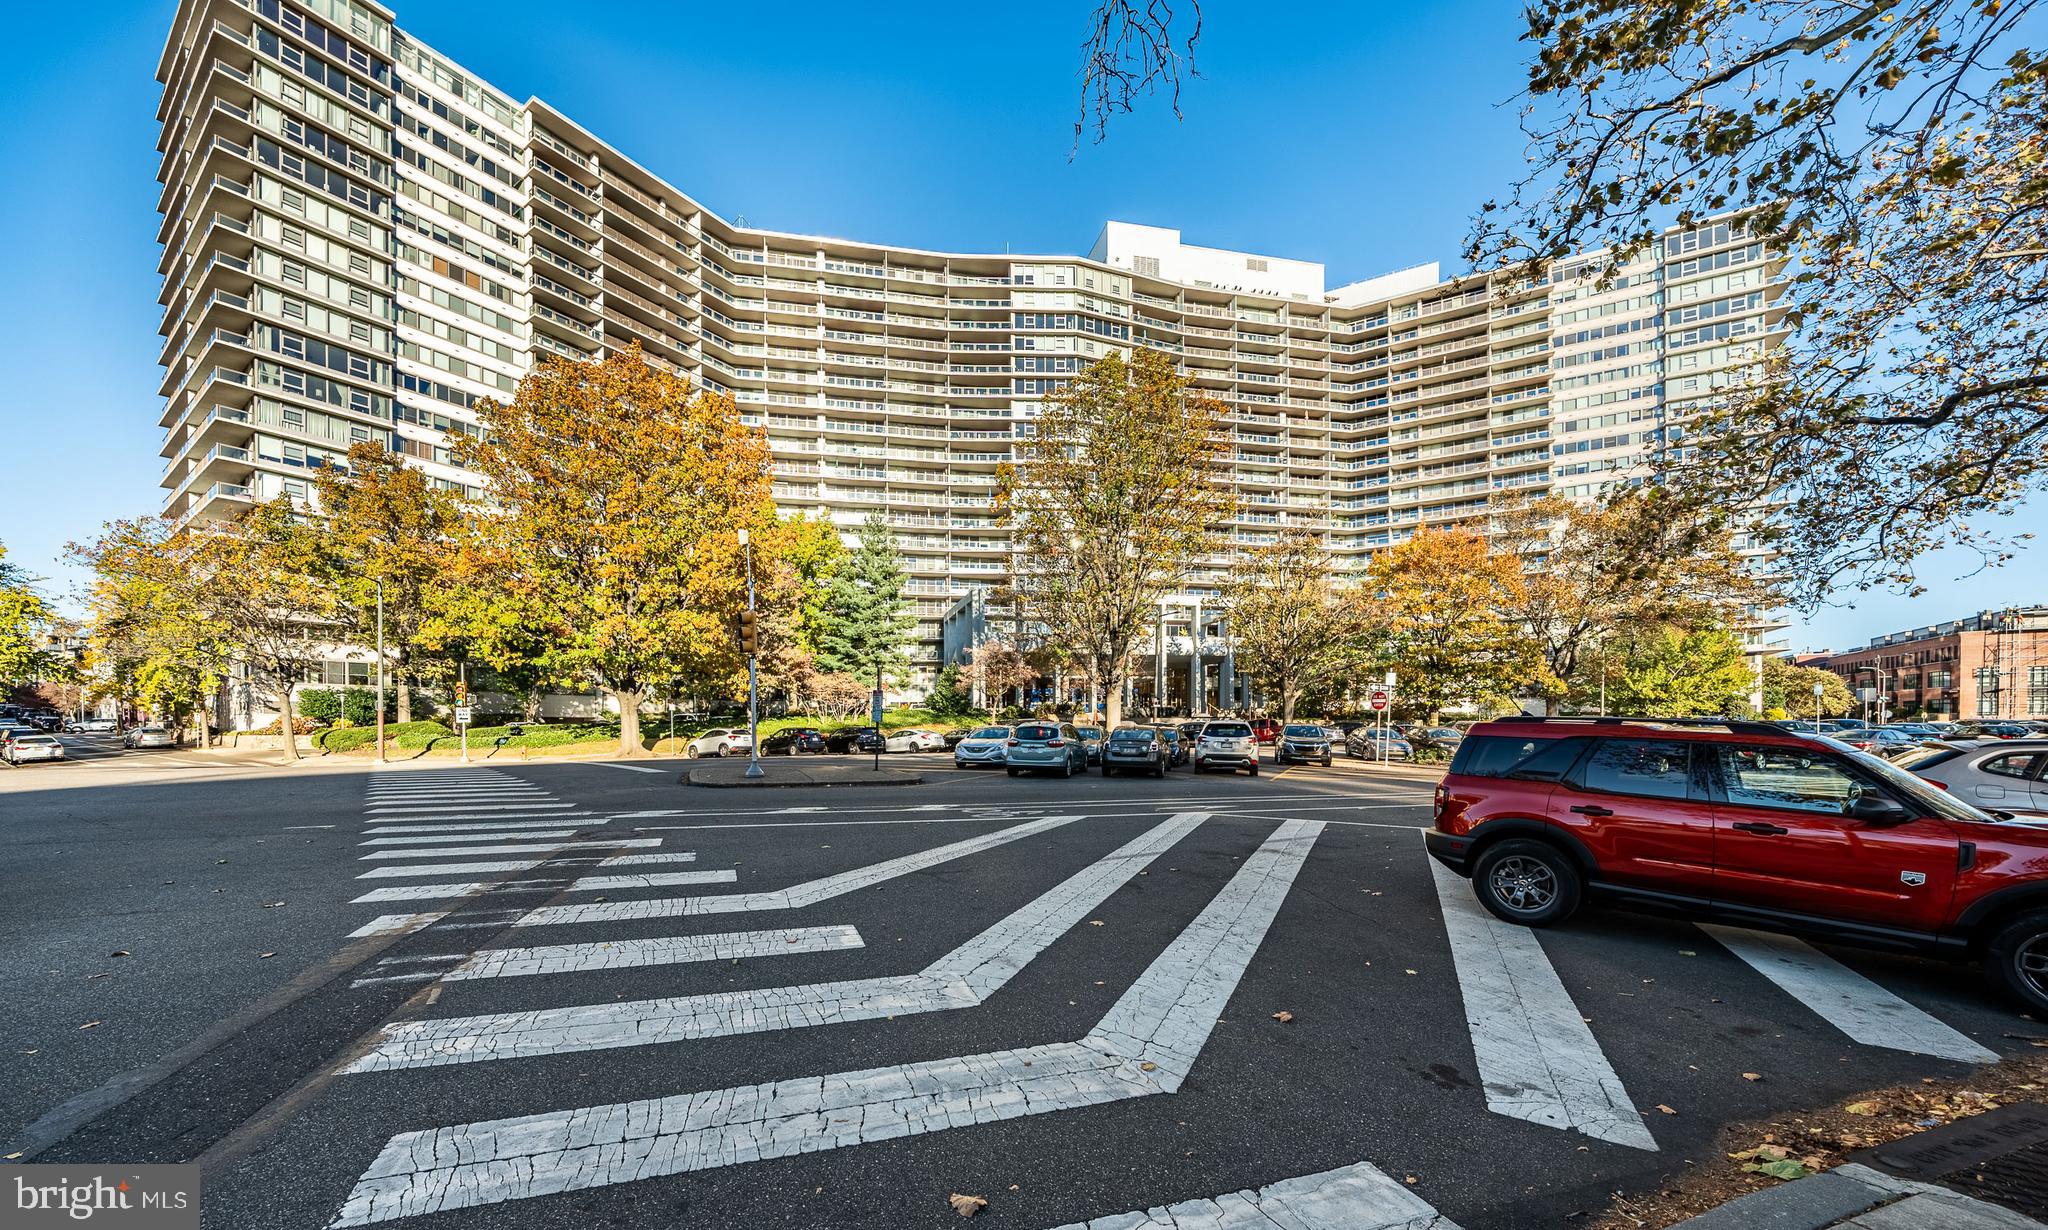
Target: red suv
1742,822
1266,730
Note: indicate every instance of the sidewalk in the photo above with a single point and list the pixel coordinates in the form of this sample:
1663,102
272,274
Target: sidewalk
2001,1155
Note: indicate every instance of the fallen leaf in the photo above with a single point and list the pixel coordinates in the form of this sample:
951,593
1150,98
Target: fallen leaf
1411,1180
90,1025
966,1206
1147,1067
118,952
271,905
1093,922
1408,971
1283,1017
1666,1109
1861,1108
1783,1168
90,977
1752,1076
1687,952
1013,1187
266,954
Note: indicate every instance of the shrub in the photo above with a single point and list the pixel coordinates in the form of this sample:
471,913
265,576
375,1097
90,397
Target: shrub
413,735
319,704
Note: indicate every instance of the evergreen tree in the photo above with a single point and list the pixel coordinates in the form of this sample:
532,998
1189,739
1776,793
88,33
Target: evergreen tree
866,619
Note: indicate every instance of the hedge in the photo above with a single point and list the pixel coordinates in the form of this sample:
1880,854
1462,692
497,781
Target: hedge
413,735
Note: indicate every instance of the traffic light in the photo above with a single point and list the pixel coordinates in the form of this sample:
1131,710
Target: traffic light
750,633
461,694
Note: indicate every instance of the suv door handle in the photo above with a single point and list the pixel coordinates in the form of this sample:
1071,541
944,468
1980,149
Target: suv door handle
1756,826
1589,809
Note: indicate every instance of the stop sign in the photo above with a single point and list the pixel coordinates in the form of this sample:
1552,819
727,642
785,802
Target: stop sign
1379,700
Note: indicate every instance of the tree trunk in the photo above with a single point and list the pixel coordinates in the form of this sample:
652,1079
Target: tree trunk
286,724
629,721
1113,702
205,726
404,699
1287,695
1553,706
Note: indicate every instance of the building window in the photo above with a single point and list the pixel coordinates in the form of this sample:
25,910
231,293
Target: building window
1987,691
1941,679
2037,690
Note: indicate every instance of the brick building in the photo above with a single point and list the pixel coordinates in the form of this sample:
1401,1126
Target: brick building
1993,664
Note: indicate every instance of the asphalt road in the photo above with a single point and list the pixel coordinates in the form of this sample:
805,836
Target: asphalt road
1057,995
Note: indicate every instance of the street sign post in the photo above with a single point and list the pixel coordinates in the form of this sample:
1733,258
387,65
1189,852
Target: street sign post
875,716
1379,701
464,715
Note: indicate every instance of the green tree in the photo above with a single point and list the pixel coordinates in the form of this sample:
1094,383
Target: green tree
950,698
1638,558
1670,671
611,546
24,621
1788,690
865,619
1443,601
1113,501
1892,153
152,620
388,524
1292,632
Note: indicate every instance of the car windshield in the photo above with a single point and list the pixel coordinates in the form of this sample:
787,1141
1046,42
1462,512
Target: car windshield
1038,734
991,732
1304,732
1089,732
1227,730
1131,736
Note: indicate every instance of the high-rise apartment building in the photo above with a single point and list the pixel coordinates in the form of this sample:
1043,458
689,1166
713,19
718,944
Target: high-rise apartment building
361,241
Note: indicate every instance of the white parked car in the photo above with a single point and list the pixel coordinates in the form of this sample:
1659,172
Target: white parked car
1227,745
149,736
916,741
20,748
93,726
721,742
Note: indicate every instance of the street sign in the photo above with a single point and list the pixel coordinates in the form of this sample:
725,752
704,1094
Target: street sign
462,715
875,708
1379,701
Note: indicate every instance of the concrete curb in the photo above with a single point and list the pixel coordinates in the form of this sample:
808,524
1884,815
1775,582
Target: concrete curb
1830,1198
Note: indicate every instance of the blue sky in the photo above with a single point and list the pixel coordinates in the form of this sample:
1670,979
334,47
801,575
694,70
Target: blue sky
1360,135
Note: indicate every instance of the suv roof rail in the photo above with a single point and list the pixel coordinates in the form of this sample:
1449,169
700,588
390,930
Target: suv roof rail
1739,726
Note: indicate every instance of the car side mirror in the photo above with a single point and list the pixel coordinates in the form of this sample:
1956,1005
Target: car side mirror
1878,809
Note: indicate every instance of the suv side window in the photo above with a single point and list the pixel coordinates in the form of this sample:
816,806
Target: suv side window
1543,760
2013,764
1647,768
1784,777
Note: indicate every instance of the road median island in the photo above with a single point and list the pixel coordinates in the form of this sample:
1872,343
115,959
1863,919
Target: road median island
788,771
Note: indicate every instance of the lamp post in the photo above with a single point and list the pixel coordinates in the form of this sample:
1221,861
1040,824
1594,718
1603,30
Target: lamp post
753,672
380,670
1817,691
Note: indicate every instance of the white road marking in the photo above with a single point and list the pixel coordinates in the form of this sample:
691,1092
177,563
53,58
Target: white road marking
979,810
808,893
427,892
528,864
963,978
494,835
290,827
661,950
1356,1197
1846,999
634,768
463,851
385,924
479,827
563,815
1145,1045
387,810
1537,1059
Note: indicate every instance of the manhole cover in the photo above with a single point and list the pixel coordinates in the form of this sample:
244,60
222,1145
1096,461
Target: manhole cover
2000,1156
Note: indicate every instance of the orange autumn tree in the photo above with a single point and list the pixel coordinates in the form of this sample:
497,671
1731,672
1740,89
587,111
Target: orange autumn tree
616,494
1444,602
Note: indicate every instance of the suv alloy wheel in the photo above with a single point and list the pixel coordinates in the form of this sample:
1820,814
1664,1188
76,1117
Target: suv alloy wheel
1529,882
2017,958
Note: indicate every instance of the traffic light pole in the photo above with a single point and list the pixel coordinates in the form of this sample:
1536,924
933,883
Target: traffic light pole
753,669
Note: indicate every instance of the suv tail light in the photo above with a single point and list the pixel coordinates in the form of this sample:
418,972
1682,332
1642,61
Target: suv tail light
1930,781
1013,743
1056,743
1443,795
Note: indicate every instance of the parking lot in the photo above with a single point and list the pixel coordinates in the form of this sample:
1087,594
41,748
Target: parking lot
576,994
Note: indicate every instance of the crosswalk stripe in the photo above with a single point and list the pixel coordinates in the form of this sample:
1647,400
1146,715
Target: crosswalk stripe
962,978
458,815
495,835
527,864
462,851
1356,1197
428,892
482,825
1846,999
1145,1045
387,809
808,893
1537,1059
637,768
661,950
